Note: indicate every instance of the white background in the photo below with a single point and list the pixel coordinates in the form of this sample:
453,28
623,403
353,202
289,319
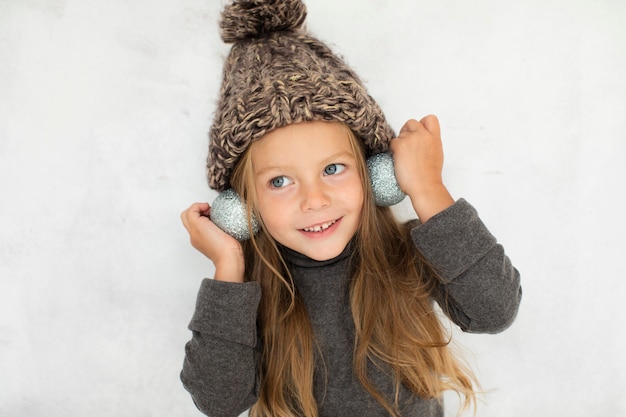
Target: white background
104,109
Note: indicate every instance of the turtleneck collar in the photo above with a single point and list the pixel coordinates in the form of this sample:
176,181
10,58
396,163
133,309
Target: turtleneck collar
302,261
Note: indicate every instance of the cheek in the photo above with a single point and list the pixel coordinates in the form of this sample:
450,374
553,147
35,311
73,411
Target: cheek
354,194
272,212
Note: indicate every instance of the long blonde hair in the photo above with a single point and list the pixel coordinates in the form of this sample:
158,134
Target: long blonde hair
406,335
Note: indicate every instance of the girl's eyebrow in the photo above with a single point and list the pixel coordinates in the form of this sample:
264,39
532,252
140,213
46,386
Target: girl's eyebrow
269,168
338,155
283,168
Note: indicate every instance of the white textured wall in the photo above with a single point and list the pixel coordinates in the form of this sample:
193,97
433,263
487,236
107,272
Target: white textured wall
104,108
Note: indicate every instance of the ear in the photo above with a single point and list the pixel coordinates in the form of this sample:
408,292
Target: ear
228,212
385,186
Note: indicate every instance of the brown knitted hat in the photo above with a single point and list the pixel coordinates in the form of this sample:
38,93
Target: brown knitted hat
277,74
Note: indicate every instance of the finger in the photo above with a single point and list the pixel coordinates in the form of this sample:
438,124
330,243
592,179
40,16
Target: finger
195,210
183,218
411,125
201,207
431,123
204,209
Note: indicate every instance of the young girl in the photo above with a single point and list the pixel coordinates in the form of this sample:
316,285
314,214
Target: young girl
328,309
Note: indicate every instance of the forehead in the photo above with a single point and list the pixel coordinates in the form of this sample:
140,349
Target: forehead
301,142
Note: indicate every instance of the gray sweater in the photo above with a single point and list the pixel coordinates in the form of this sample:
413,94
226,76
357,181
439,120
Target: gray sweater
220,368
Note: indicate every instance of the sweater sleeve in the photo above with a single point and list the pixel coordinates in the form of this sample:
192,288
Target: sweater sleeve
221,359
479,288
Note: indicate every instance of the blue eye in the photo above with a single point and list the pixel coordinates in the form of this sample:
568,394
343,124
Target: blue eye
333,169
280,182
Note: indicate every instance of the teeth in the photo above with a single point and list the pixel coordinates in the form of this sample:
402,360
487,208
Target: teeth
319,227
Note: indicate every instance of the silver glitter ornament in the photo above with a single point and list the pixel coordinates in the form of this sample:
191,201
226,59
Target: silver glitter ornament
228,212
385,186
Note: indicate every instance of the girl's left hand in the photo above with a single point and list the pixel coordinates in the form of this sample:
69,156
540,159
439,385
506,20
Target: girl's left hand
418,159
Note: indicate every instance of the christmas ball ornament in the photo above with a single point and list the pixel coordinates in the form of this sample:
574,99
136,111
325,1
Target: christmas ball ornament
228,212
385,186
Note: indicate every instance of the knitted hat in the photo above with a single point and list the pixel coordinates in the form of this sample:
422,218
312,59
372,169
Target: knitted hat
277,74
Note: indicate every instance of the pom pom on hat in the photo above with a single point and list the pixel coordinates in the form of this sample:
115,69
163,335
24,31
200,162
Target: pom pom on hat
253,18
278,74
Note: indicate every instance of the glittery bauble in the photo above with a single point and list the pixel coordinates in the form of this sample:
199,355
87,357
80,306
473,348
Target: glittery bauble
385,186
228,212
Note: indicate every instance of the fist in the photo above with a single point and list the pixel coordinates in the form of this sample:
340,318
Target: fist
222,249
418,159
418,155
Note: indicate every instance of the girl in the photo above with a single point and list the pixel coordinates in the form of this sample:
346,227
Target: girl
328,309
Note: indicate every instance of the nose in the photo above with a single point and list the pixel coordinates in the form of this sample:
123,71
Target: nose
314,196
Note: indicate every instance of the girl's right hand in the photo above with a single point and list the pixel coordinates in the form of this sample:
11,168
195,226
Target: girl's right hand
222,249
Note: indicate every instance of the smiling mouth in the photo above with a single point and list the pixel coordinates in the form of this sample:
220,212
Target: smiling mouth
319,227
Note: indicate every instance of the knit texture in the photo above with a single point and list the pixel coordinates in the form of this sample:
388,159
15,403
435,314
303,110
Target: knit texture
277,74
